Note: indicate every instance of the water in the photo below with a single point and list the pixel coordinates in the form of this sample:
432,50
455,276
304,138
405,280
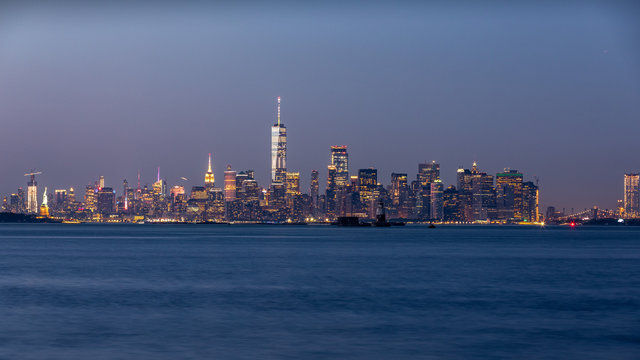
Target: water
318,292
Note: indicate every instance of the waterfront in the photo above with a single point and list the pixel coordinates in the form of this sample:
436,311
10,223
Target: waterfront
318,292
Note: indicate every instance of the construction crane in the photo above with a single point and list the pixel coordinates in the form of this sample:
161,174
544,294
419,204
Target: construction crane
33,173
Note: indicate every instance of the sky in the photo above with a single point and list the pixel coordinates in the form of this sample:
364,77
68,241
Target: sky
109,88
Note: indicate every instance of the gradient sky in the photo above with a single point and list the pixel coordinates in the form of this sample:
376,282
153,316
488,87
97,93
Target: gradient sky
550,90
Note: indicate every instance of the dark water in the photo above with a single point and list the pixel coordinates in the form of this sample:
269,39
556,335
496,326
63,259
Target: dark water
257,292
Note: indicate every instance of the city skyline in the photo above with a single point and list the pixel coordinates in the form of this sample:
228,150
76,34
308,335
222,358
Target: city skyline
512,87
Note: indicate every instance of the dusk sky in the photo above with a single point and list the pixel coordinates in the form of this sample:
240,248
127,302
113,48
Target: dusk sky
550,90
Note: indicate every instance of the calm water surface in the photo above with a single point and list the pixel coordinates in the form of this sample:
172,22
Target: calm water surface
318,292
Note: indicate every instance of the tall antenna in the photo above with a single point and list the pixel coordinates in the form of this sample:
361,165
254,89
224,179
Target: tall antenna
209,163
138,180
278,110
158,173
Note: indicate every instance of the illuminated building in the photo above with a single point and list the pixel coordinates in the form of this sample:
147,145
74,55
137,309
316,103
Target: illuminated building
60,199
198,198
367,186
332,191
106,201
16,202
484,197
437,202
340,159
509,195
293,186
399,195
32,194
44,208
530,202
314,191
277,194
101,182
278,150
631,195
229,184
175,191
209,179
465,193
90,198
428,173
215,207
451,208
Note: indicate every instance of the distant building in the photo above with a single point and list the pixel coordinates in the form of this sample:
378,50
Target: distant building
509,195
437,201
32,195
314,188
452,211
278,150
229,184
428,173
209,178
340,159
631,195
106,201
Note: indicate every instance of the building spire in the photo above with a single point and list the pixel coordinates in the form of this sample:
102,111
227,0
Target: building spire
209,163
158,173
278,110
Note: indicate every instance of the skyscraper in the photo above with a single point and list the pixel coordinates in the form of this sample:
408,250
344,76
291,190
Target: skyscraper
32,194
428,173
209,179
340,159
509,195
437,201
631,195
229,184
278,150
314,189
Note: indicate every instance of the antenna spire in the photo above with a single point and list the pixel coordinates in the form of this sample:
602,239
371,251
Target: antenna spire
278,110
209,163
158,173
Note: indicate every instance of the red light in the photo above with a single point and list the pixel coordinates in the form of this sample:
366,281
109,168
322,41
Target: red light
573,224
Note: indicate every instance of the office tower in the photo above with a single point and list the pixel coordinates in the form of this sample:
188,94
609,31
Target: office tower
484,197
332,191
340,159
5,204
278,150
101,182
175,191
292,185
229,184
530,202
631,195
198,199
314,189
428,173
90,198
437,202
32,194
399,195
125,195
209,179
465,193
277,192
60,199
44,208
215,205
106,201
451,209
367,187
509,195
